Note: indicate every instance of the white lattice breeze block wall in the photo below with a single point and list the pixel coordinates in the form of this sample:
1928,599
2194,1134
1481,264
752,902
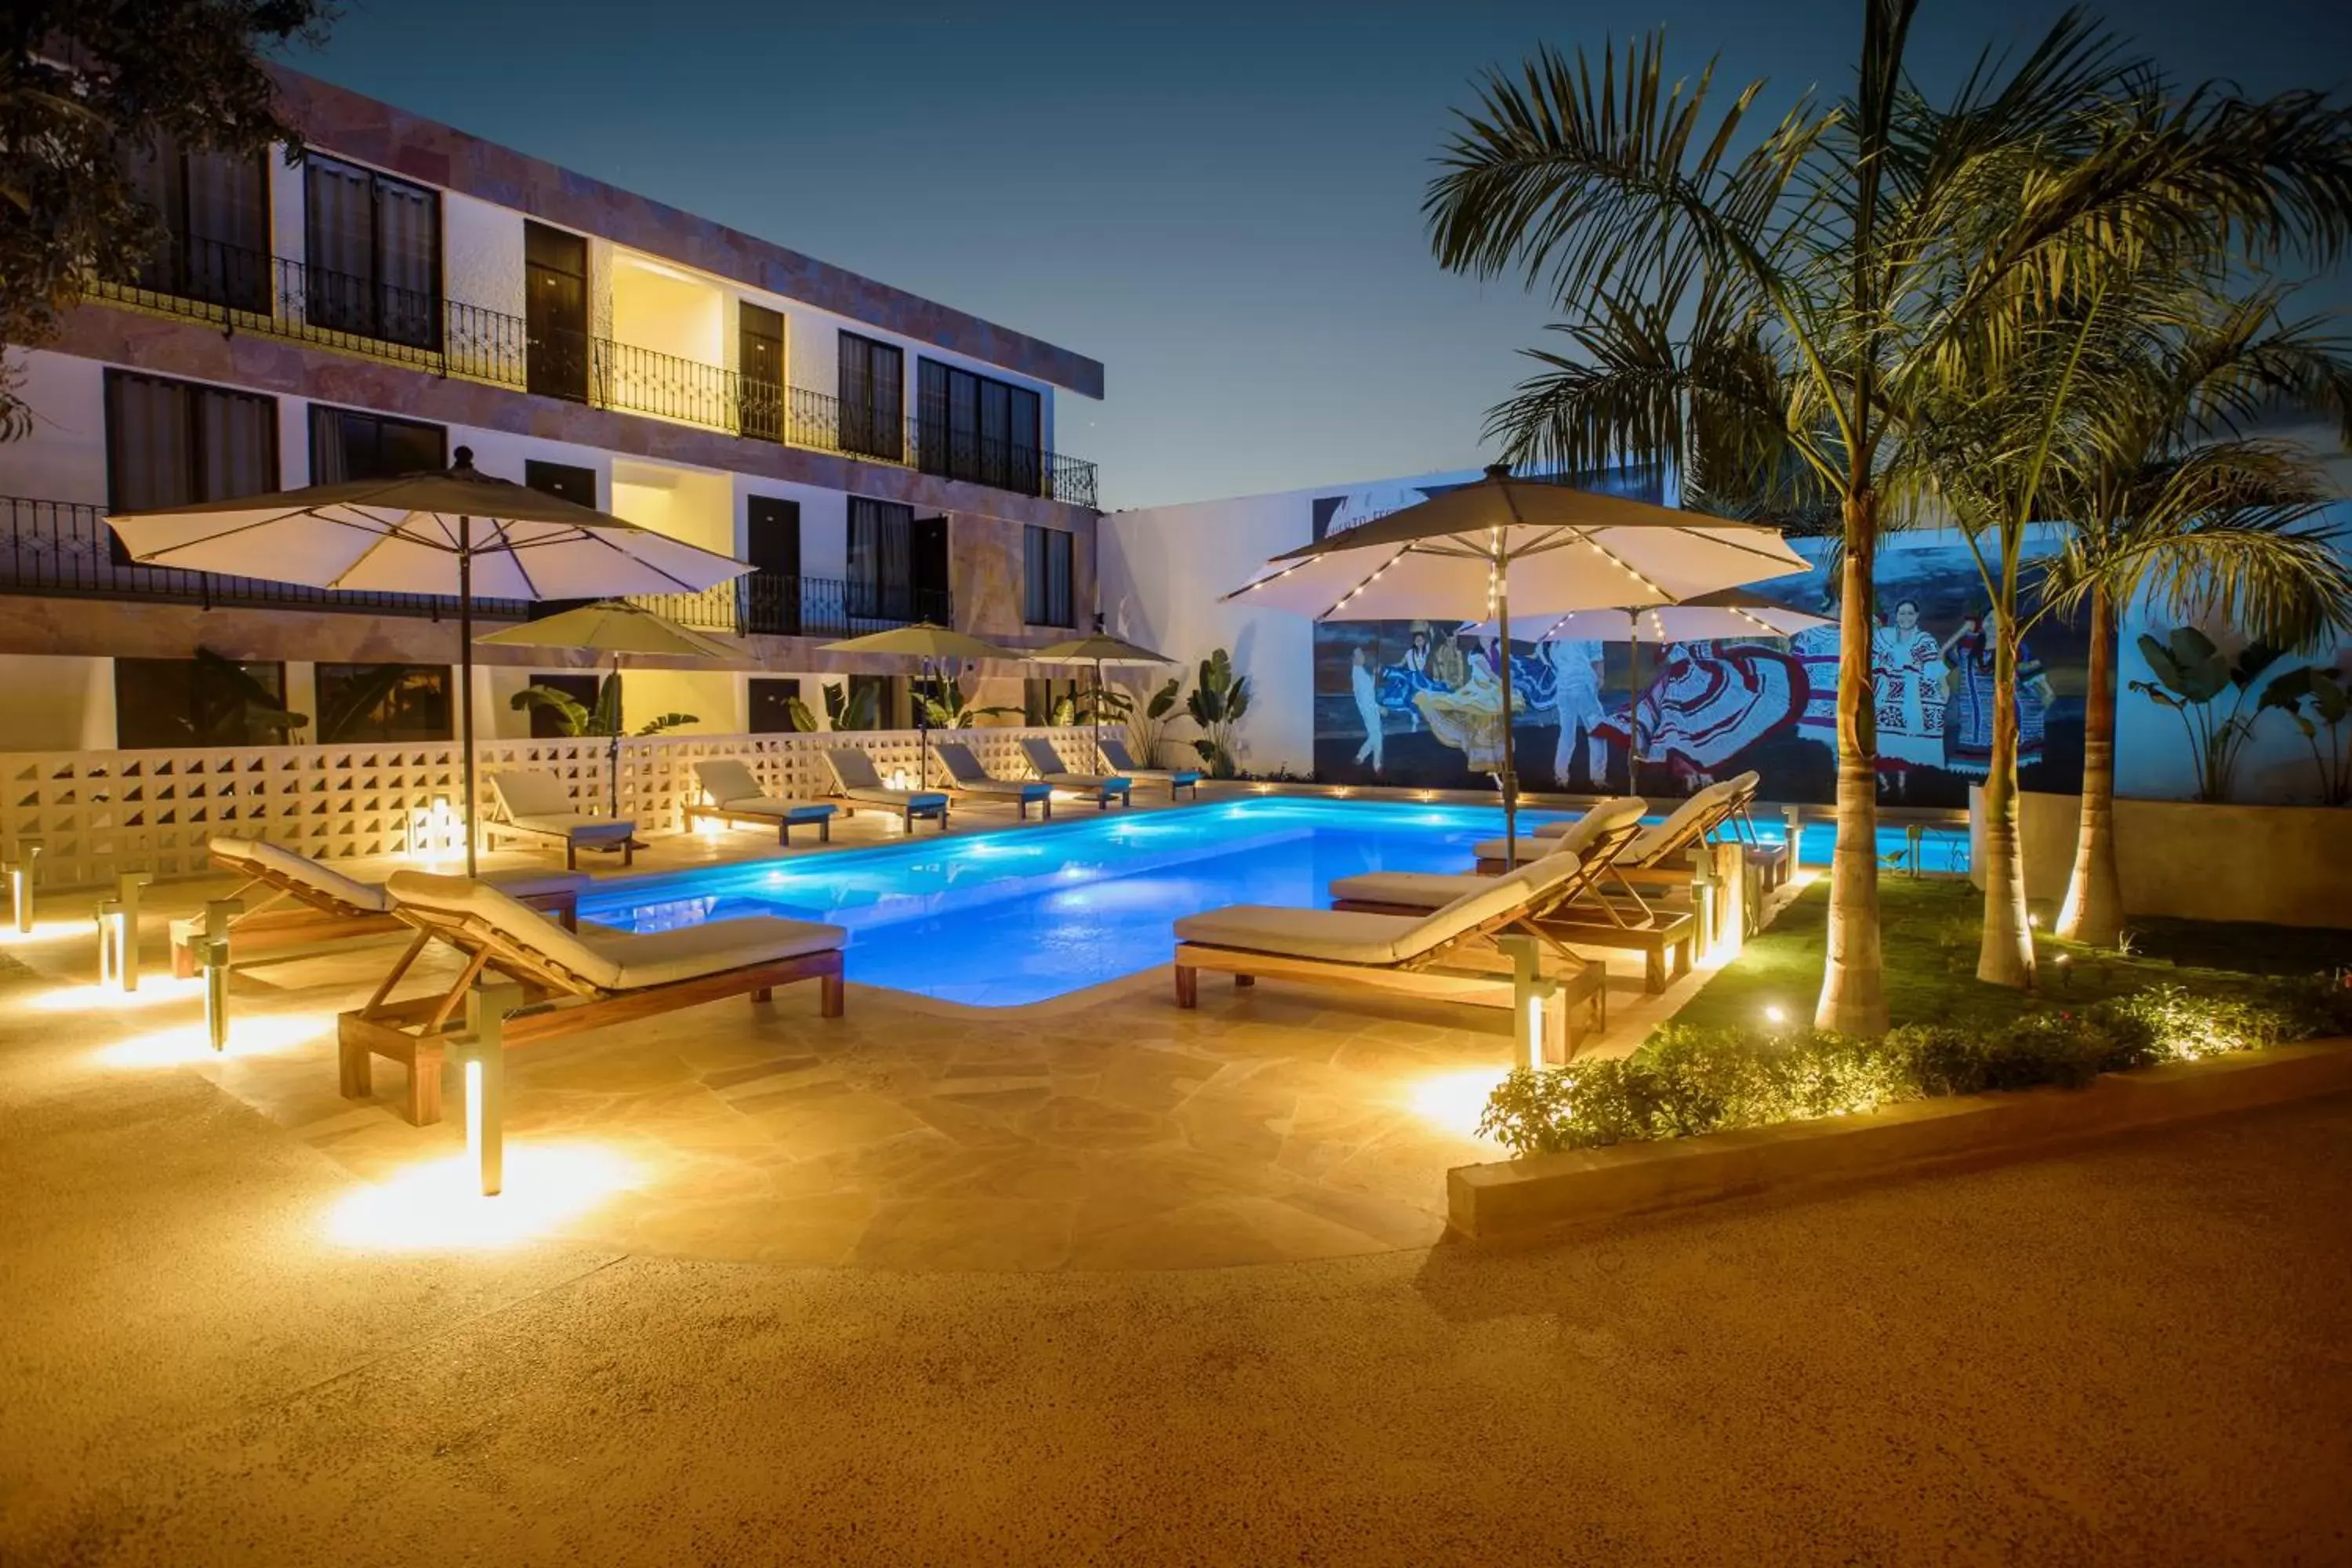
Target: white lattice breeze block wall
100,813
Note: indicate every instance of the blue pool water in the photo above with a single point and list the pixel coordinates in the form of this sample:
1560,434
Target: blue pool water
1006,919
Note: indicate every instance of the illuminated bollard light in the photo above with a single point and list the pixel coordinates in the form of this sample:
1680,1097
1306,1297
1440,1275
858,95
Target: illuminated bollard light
125,904
1706,897
1538,1013
1793,817
110,923
23,876
1915,839
485,1059
212,958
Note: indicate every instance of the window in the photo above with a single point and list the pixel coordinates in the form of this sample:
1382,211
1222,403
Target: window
573,484
760,371
214,208
873,398
771,704
346,444
172,443
1042,699
373,261
197,702
582,689
881,560
1048,600
972,427
383,702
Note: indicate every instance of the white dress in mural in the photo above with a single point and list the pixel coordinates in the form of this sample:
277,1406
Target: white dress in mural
1576,701
1908,692
1470,718
1368,709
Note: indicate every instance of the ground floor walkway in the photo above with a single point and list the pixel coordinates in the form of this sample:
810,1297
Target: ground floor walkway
2134,1353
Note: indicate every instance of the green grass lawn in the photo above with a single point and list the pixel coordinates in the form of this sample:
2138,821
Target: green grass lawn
1929,928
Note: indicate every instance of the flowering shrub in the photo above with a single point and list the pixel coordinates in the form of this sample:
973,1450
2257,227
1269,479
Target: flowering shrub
1686,1081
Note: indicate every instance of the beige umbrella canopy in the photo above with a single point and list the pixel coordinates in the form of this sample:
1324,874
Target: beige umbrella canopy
930,644
1730,613
616,628
1100,650
1471,552
454,531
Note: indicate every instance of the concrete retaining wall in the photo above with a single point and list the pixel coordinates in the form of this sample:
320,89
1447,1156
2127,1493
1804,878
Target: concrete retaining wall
2282,865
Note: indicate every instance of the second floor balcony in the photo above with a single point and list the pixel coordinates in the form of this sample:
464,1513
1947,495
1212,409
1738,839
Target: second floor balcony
245,291
52,549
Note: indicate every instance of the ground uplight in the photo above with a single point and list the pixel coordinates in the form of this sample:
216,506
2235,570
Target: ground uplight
1454,1100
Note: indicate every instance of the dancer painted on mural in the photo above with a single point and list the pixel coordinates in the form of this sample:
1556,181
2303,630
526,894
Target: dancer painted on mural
1967,738
1713,700
1909,685
1401,682
1469,718
1576,701
1367,706
1815,650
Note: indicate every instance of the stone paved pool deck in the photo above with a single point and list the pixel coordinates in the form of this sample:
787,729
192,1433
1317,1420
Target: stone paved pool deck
1104,1130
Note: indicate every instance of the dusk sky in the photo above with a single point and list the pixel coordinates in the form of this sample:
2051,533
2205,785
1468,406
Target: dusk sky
1219,201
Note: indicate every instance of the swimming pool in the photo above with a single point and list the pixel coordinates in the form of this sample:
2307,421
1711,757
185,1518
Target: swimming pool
1006,919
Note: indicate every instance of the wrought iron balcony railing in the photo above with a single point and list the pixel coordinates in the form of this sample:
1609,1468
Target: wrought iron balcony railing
63,550
245,290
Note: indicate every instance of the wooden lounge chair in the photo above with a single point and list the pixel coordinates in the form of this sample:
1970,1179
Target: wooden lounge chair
1446,954
538,806
1102,790
735,797
1664,937
966,777
1115,753
854,780
574,982
309,902
1659,848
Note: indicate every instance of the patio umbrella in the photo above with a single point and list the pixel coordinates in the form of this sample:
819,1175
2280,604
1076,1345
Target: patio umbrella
1467,553
618,627
1100,650
1709,618
453,532
931,644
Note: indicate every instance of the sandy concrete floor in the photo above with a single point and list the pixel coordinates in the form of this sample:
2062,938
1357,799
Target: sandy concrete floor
2131,1354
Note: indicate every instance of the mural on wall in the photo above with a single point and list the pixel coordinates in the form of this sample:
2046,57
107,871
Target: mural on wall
1419,703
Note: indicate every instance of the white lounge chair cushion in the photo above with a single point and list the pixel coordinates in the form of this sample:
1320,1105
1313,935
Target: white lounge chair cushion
532,793
1530,849
1341,936
580,829
620,961
899,799
1116,754
333,885
1411,889
726,780
780,810
304,872
1027,789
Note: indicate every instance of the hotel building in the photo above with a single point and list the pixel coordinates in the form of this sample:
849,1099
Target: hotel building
406,289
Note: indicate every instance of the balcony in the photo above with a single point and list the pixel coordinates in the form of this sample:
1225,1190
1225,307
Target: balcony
242,291
55,549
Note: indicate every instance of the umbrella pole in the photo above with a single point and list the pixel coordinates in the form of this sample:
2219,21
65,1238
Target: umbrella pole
1510,779
466,669
923,731
612,749
1101,764
1632,696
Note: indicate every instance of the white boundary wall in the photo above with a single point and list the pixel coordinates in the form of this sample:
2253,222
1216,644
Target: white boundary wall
97,813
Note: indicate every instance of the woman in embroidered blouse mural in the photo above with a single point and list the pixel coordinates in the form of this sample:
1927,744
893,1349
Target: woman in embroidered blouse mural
1908,682
1967,739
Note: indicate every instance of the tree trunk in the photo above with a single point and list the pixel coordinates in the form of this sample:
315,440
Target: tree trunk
2005,956
2094,911
1853,991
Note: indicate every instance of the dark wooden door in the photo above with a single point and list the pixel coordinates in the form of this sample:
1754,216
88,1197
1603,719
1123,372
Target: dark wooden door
555,312
928,571
772,543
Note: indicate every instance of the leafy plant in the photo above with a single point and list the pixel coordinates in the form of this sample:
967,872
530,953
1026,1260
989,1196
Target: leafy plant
1686,1081
231,704
362,694
796,713
2191,676
2329,699
1147,721
604,719
1219,699
850,707
945,707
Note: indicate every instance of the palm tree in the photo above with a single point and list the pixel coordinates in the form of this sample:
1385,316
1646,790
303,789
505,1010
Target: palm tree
2181,502
1778,322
